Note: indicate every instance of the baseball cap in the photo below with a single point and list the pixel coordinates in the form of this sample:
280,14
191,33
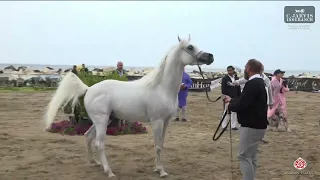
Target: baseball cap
278,71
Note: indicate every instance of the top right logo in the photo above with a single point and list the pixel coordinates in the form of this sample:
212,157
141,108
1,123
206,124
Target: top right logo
299,14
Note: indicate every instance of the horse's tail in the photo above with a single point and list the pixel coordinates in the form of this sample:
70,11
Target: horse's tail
69,89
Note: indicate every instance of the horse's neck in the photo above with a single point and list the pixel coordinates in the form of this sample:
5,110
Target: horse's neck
167,77
172,77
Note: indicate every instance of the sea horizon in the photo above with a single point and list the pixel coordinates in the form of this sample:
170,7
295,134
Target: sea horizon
139,68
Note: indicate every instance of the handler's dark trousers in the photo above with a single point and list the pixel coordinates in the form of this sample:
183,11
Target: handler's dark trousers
248,149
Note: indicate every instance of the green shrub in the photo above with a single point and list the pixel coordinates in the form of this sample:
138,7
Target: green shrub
89,79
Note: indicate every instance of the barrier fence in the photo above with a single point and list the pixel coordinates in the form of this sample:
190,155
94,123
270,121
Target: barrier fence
294,84
199,85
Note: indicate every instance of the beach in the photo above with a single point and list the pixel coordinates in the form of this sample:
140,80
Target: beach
27,152
188,68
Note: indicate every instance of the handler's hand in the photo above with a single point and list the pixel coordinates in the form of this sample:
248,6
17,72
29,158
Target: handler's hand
235,83
182,87
227,105
231,84
226,99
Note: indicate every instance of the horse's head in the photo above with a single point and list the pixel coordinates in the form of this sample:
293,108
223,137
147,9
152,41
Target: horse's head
192,55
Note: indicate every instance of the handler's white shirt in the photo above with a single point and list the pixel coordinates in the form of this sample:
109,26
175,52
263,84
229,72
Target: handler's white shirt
255,76
266,82
217,83
232,78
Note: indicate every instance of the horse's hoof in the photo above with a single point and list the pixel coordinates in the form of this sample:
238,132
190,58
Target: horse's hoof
156,170
95,162
111,175
163,174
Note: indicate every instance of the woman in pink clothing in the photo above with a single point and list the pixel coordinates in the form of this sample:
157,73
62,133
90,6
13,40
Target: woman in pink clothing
278,112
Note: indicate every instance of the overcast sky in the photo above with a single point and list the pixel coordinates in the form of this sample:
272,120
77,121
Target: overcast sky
140,33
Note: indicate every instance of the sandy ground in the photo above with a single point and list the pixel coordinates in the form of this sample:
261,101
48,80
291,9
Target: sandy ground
26,152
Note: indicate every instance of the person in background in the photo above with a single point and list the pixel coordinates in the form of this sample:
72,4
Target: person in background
278,112
120,71
84,69
283,98
74,70
233,92
182,96
251,107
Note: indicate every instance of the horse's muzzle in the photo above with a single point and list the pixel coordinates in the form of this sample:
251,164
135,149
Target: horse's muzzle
206,58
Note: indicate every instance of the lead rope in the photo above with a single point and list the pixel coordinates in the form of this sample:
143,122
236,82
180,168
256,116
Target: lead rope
207,88
231,156
229,123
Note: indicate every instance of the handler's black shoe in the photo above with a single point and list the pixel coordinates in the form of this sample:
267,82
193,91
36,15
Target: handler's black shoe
177,119
235,129
184,119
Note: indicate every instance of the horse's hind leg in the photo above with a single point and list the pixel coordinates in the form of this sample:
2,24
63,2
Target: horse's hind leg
101,123
90,135
157,128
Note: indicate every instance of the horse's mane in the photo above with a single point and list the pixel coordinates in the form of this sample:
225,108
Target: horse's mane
156,76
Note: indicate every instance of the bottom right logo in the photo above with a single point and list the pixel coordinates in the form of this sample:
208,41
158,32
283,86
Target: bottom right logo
300,163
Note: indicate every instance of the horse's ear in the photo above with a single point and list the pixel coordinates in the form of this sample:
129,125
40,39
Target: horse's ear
179,39
189,38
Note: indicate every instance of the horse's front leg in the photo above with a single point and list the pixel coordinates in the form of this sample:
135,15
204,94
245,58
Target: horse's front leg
165,126
157,128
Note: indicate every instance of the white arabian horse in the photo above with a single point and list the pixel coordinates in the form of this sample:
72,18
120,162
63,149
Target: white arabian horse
153,98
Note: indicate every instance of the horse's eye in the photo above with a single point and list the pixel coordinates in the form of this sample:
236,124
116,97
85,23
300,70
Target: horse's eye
190,47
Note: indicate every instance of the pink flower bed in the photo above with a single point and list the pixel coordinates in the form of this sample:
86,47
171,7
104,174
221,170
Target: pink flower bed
65,127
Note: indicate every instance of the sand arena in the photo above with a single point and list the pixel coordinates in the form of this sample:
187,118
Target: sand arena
26,152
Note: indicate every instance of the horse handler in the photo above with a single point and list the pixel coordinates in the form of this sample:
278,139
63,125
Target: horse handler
267,84
251,108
